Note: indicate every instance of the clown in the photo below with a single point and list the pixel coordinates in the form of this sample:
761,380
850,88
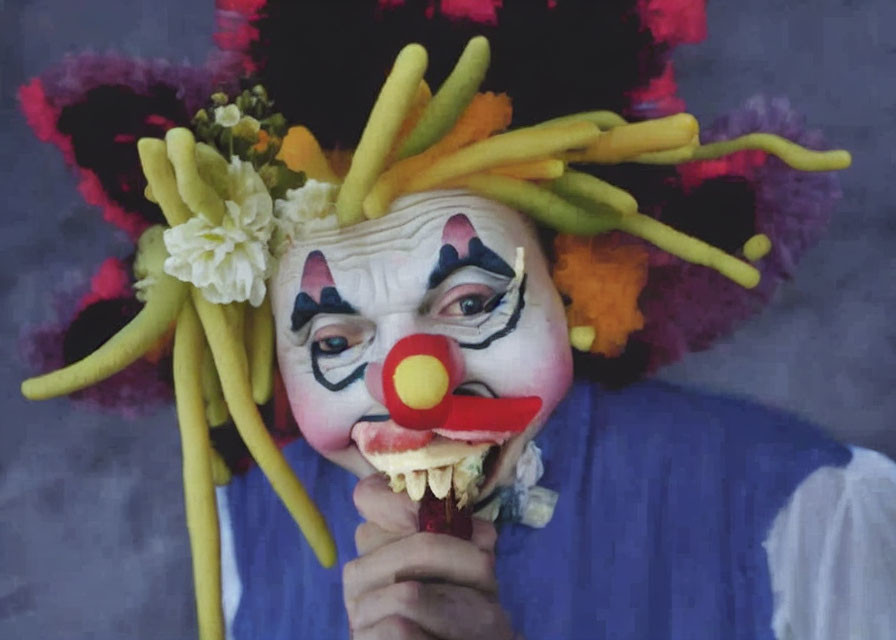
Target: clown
423,339
438,264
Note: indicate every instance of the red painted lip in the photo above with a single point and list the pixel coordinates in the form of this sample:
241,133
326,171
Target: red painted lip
472,419
386,436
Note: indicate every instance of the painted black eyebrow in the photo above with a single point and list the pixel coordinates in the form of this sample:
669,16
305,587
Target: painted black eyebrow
306,308
479,256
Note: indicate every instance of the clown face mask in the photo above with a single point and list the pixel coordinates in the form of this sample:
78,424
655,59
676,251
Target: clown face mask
448,267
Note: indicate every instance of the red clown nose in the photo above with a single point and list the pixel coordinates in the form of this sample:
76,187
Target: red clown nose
420,375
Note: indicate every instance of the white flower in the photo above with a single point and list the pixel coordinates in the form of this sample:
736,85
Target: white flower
227,116
310,208
231,261
529,467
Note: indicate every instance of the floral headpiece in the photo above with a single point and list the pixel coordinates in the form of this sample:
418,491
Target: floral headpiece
414,142
239,185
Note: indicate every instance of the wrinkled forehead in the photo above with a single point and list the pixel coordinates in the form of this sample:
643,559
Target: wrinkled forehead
407,241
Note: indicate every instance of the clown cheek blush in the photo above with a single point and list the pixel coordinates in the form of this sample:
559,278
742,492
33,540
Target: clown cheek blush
323,425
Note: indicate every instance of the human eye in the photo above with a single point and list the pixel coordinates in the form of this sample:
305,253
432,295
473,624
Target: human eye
467,300
334,339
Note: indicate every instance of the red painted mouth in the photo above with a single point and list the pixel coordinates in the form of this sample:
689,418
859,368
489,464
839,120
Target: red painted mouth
475,420
388,437
481,417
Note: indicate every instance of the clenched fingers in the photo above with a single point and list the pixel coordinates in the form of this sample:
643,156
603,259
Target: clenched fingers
392,628
369,536
421,556
447,611
484,535
377,503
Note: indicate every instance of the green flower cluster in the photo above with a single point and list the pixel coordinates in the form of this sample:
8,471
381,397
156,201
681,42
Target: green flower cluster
247,127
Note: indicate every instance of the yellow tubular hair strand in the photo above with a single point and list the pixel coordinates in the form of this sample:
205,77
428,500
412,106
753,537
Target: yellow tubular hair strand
235,313
670,156
541,204
215,407
547,169
198,196
604,120
451,99
688,248
757,247
163,302
522,145
199,489
220,471
260,350
791,153
582,337
212,169
415,112
628,141
161,182
229,360
486,114
389,111
583,188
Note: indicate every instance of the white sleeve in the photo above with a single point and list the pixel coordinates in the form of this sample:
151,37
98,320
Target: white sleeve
231,587
832,554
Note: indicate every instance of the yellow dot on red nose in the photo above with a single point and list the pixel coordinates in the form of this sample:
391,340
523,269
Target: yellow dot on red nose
421,381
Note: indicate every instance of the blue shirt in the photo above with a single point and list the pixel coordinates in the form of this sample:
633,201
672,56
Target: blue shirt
665,499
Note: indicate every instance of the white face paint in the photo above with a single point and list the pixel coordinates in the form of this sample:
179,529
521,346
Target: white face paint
438,263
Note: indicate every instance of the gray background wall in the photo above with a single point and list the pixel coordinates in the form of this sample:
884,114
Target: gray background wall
92,539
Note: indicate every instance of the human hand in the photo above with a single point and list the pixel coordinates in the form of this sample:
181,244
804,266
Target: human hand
406,584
